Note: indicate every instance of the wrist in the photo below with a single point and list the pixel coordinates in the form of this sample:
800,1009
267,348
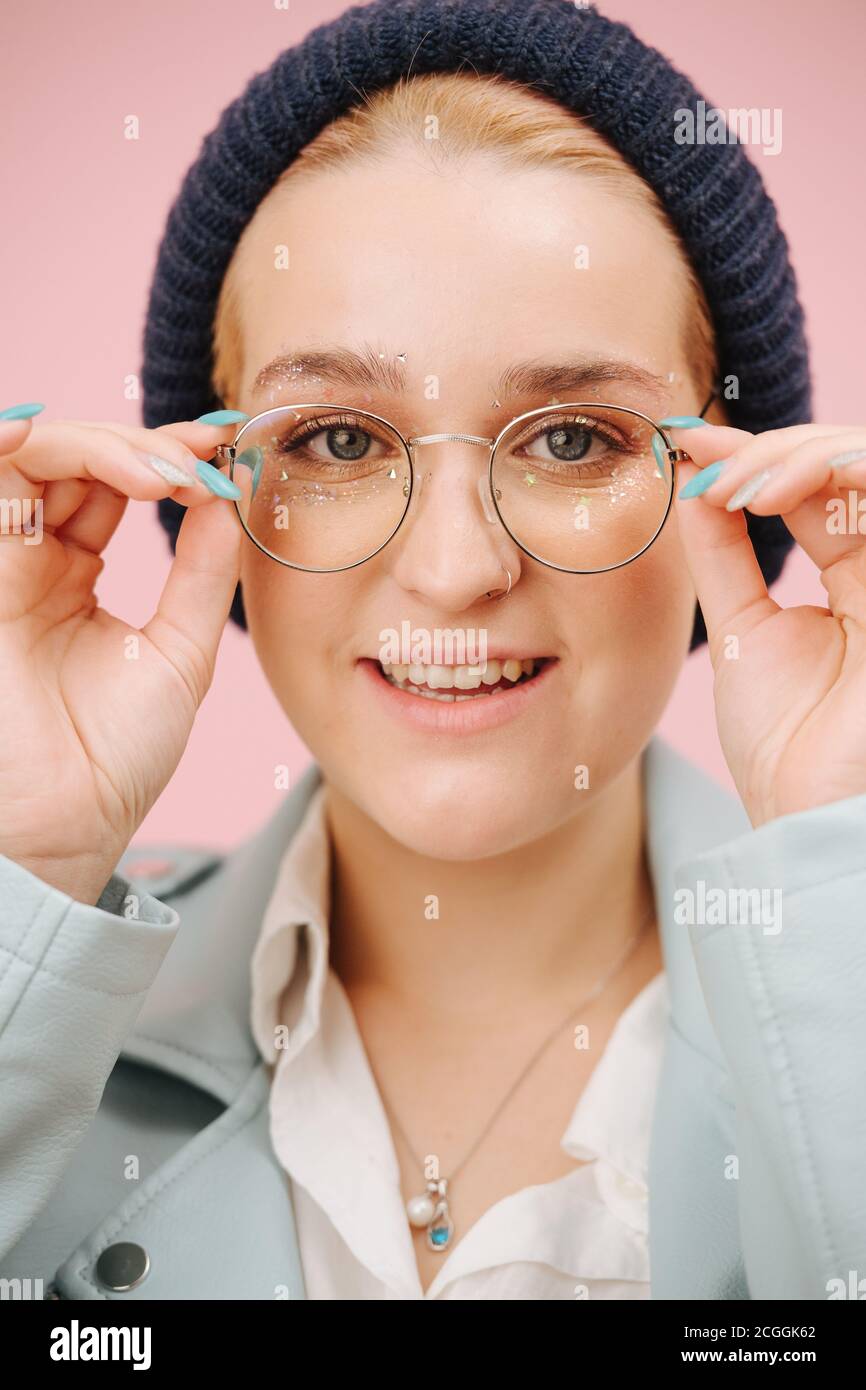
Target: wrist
83,880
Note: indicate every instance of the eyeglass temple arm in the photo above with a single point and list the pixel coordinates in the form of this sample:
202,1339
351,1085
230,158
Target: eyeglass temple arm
710,398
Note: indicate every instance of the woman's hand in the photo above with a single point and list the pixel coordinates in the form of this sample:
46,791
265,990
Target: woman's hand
97,713
790,683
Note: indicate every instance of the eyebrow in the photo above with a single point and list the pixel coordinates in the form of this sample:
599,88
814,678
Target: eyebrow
387,371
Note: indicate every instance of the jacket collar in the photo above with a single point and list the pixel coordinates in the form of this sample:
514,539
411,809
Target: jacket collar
195,1022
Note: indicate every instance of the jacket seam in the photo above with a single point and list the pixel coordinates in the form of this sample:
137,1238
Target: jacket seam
37,968
789,892
30,930
34,967
188,1052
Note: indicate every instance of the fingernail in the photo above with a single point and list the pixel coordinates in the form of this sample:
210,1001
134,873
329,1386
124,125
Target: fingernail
21,412
219,484
748,491
252,458
658,450
842,460
178,477
683,422
222,417
701,481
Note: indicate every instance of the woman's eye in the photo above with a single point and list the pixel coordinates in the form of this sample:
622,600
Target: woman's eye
566,443
341,442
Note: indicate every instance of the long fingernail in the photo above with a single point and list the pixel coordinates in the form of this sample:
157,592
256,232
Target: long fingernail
658,450
683,422
701,481
21,412
252,458
219,484
842,460
748,491
222,417
178,477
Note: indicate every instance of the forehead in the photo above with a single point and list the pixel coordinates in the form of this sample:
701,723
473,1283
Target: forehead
475,263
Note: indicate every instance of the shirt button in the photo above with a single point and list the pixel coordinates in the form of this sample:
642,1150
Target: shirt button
122,1267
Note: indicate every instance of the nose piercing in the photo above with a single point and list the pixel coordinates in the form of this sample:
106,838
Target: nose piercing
501,593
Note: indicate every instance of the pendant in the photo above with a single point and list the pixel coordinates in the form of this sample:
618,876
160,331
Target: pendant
431,1210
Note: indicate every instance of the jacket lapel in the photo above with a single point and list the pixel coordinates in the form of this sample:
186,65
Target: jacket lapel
215,1220
195,1022
686,813
695,1248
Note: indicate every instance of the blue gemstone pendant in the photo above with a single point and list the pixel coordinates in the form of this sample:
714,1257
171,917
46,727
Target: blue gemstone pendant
441,1228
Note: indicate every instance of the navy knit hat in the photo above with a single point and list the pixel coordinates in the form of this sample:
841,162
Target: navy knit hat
597,68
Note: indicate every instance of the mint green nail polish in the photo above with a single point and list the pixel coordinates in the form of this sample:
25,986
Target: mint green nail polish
701,481
682,422
254,459
21,412
219,484
749,491
222,417
658,450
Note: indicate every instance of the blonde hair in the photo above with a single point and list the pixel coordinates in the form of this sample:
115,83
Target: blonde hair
473,114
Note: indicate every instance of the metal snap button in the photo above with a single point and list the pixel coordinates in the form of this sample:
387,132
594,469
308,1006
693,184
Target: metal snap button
122,1267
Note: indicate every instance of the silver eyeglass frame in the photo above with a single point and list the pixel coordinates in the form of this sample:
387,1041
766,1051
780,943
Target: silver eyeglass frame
228,453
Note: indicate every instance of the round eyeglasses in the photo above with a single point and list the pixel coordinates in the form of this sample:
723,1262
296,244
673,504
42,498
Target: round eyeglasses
581,487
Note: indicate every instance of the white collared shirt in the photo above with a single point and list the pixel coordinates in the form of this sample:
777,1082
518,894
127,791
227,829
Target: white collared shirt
583,1235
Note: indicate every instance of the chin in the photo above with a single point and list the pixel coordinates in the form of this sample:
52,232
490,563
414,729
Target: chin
458,819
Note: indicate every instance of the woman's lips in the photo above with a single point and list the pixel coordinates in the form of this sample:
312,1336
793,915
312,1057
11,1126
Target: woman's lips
458,716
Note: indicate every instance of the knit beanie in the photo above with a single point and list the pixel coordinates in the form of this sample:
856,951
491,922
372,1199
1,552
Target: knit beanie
594,66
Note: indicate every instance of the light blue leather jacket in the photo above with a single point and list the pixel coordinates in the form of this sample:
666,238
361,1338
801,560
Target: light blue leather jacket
127,1039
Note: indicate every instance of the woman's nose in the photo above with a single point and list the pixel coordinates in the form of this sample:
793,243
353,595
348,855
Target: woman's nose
452,547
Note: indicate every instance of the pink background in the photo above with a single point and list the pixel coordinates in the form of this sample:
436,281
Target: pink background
84,210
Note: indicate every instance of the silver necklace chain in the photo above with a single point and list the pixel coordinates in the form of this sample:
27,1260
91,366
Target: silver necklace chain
440,1188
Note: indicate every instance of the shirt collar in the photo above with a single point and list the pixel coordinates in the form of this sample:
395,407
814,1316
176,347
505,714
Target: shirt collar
291,952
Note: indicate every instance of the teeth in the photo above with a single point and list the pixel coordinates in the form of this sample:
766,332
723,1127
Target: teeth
440,682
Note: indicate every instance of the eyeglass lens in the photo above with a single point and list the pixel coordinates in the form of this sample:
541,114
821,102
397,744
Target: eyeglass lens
583,488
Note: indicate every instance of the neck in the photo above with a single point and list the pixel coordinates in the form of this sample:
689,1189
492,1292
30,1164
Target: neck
543,922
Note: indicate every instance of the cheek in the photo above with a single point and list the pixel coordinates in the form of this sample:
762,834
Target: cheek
654,601
633,633
287,618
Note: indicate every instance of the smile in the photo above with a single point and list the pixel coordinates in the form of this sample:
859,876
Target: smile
453,684
459,701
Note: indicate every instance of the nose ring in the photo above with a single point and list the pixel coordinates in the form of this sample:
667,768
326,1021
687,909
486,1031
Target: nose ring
501,593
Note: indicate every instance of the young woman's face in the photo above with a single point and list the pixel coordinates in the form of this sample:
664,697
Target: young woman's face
458,275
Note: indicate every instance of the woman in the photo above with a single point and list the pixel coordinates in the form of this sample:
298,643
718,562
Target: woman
507,1001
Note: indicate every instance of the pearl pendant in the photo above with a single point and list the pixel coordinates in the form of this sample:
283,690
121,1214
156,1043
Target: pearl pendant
431,1210
420,1210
